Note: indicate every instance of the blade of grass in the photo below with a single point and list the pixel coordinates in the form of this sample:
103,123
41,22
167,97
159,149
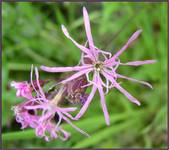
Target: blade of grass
78,22
21,67
103,134
94,123
38,58
25,134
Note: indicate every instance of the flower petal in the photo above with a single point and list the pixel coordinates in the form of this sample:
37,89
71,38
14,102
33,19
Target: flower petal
131,39
38,84
76,75
102,98
69,109
135,80
88,32
86,104
31,77
87,27
122,90
18,93
84,49
128,95
35,107
68,115
75,127
66,135
138,63
64,69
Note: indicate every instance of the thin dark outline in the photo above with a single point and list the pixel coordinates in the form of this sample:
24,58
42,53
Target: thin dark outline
84,1
168,82
1,76
161,1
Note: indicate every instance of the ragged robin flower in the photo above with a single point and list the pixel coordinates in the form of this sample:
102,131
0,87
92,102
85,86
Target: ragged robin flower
23,89
39,112
104,71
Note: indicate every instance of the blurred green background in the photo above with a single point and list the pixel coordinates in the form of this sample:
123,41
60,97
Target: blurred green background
32,35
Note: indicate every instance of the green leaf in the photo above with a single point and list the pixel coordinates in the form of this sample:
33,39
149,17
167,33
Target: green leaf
103,134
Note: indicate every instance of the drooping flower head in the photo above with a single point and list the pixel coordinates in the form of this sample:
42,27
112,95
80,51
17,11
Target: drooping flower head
76,93
104,73
23,89
39,113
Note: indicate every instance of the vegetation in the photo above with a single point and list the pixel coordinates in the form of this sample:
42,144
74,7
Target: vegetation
32,35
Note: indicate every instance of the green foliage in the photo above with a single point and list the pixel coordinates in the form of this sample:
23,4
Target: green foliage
32,35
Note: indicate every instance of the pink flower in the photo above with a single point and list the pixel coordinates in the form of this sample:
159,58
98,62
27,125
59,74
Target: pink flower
25,117
23,89
39,113
103,70
75,92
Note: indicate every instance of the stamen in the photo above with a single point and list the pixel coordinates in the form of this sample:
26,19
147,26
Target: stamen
58,96
98,66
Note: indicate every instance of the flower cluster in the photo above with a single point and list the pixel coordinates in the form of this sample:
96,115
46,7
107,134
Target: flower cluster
40,109
97,69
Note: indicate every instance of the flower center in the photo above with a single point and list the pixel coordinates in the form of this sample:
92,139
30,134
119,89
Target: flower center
98,66
57,97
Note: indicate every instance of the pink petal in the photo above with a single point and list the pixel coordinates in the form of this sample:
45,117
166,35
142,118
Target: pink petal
31,77
68,115
86,104
35,107
88,32
64,69
76,75
87,27
128,95
66,135
134,36
134,80
46,116
53,135
104,52
15,84
131,39
23,92
69,109
38,84
102,98
84,49
122,90
39,131
66,110
18,93
138,63
75,127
